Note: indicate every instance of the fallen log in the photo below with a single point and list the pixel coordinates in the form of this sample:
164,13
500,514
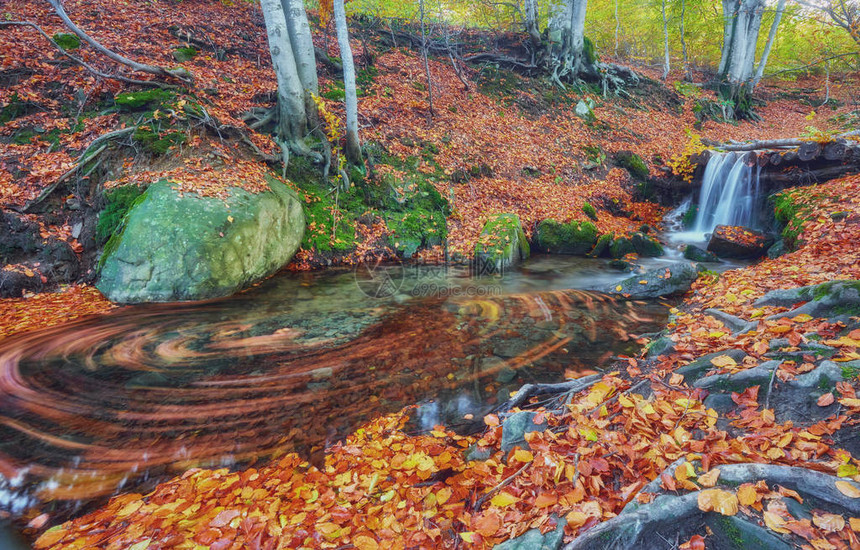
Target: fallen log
808,151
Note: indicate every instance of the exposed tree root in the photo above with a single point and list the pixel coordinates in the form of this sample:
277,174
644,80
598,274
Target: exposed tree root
532,390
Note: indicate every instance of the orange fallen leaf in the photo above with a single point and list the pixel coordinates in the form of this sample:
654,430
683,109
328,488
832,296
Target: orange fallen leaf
717,500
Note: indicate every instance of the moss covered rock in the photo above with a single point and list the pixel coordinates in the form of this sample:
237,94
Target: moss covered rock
577,238
621,247
633,163
176,246
501,245
646,246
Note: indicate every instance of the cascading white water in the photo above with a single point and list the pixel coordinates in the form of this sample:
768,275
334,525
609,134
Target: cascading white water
730,193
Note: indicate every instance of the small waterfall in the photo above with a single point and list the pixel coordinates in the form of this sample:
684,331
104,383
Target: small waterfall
730,193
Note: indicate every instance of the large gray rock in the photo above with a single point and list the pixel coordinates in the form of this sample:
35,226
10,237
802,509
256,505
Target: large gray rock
663,281
180,246
837,300
739,242
515,427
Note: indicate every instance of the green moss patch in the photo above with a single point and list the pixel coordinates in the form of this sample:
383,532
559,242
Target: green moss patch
633,163
133,101
67,41
576,238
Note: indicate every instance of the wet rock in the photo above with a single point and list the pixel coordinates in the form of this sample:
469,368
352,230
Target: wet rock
17,236
646,246
502,244
778,249
14,283
739,242
696,254
506,375
58,261
661,346
621,247
515,427
533,539
734,533
663,281
181,246
621,265
474,452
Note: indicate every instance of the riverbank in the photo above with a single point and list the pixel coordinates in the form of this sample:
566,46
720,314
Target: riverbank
656,440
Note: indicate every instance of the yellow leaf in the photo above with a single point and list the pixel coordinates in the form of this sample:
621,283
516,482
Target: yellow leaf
848,489
747,494
775,523
468,536
855,524
230,219
847,470
723,360
717,500
504,499
129,508
709,479
802,318
718,334
521,455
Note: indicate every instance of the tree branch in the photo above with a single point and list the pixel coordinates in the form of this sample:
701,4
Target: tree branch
180,74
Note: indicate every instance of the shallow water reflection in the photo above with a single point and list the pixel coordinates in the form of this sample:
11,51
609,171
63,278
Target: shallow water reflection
145,392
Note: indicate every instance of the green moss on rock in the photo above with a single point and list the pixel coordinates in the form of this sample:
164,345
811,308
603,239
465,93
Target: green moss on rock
183,55
133,101
590,211
646,246
501,245
601,248
117,203
416,228
577,238
633,163
621,247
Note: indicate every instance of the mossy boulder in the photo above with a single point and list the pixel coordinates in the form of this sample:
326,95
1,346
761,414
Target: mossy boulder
175,246
601,248
673,280
502,244
576,238
646,246
633,163
183,55
416,228
621,247
696,254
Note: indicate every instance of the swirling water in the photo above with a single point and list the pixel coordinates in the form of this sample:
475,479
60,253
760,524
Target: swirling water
124,400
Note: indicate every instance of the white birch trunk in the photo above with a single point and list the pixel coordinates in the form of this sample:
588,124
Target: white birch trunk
530,20
730,12
771,37
666,61
303,44
292,121
353,145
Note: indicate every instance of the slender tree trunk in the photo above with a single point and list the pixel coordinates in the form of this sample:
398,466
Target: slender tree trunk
530,20
292,117
730,13
424,56
683,33
771,37
353,145
617,28
666,66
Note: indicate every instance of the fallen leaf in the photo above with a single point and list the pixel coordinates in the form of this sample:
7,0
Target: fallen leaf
717,500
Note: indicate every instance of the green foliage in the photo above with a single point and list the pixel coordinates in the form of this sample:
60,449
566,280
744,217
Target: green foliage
335,91
133,101
67,41
590,211
594,154
850,372
498,83
415,228
566,238
14,109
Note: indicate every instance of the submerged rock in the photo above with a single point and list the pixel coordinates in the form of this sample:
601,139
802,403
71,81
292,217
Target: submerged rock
739,242
502,244
178,246
646,246
663,281
696,254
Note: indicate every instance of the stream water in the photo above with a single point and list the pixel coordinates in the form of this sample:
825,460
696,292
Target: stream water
122,401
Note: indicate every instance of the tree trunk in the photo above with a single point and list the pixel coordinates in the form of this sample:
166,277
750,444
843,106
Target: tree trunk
292,116
353,145
780,8
666,66
617,28
567,32
303,49
741,31
424,59
683,32
530,21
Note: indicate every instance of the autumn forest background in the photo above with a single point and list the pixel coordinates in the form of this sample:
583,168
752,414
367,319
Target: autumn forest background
426,274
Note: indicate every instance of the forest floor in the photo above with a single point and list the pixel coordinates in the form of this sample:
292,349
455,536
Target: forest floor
512,144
